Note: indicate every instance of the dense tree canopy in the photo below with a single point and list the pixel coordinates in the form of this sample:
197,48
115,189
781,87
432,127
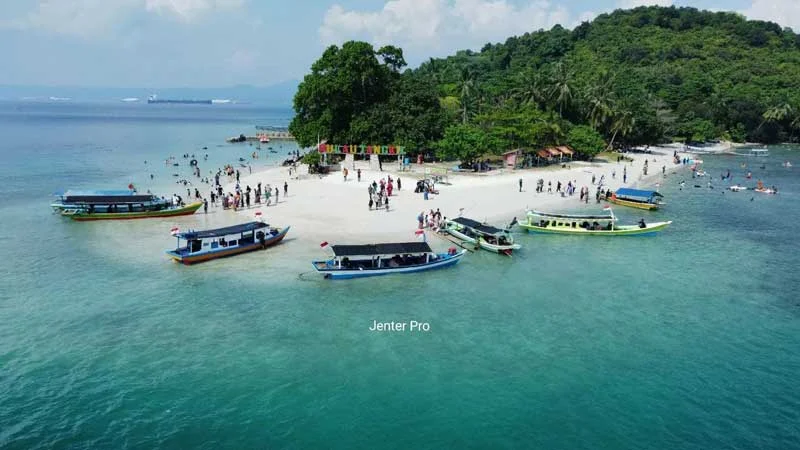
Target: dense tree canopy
631,77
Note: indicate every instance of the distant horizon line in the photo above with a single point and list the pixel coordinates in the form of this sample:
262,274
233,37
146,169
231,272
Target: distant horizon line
72,86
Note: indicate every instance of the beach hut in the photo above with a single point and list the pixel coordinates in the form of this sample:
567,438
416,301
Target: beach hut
566,151
543,157
511,158
554,153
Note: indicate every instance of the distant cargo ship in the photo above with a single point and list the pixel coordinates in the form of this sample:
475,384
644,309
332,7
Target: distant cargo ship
154,99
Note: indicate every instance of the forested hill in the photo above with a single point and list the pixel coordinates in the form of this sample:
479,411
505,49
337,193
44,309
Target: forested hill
630,77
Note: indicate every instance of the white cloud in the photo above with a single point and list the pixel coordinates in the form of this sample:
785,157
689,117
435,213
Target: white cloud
441,24
784,12
625,4
88,18
190,9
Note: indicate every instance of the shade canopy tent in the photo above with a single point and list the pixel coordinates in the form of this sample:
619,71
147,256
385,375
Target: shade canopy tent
566,151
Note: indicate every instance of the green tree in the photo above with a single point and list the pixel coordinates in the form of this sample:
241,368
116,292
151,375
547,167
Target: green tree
585,140
561,87
464,142
466,88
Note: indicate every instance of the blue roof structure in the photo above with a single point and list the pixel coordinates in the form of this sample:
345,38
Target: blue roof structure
637,194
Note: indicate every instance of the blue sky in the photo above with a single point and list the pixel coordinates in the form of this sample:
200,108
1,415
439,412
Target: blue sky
207,43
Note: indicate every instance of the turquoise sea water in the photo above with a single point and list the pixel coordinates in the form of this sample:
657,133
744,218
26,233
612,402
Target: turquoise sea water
690,339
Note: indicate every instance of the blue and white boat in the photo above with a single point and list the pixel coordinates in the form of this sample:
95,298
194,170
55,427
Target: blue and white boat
356,261
206,245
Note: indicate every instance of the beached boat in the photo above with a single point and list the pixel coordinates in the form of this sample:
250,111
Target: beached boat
587,225
118,205
357,261
737,188
223,242
636,198
484,236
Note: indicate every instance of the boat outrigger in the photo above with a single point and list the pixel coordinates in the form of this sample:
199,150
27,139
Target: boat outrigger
587,225
637,198
222,242
357,261
118,205
484,236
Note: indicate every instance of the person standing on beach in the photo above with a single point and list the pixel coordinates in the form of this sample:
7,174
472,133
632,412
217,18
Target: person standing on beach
285,189
520,184
237,175
205,206
399,186
276,194
549,187
592,178
358,174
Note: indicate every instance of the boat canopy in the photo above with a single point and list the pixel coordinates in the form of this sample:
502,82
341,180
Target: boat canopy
105,197
219,232
381,249
477,226
572,216
637,195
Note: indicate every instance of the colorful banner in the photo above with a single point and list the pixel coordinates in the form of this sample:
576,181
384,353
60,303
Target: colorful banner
362,149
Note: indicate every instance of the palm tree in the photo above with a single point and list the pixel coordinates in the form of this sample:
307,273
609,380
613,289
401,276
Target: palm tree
600,100
622,124
777,113
561,91
530,90
466,86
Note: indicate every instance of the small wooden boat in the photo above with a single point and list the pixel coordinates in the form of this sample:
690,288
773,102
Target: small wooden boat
357,261
120,213
484,236
636,198
118,205
223,242
587,225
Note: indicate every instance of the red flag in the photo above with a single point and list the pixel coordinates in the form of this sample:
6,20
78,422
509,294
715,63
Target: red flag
323,244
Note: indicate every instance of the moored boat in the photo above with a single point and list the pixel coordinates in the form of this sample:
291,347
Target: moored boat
637,198
737,188
484,236
223,242
587,225
357,261
118,205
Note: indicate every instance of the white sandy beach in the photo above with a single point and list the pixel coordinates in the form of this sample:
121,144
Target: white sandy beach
329,209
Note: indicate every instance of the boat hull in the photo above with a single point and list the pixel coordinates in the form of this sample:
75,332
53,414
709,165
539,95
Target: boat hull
85,216
461,236
620,230
637,205
226,252
343,274
504,249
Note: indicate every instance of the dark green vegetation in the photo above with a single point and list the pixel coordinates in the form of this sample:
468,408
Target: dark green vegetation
628,78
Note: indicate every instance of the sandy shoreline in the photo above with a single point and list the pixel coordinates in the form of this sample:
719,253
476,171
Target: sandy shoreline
330,209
